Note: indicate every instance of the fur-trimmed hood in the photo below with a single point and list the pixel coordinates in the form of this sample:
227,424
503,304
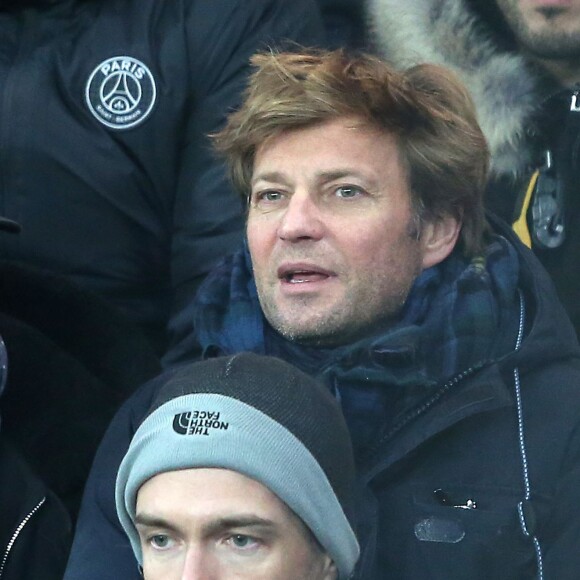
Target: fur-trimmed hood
449,32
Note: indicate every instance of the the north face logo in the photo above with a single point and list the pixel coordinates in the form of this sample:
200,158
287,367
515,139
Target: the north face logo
198,423
121,92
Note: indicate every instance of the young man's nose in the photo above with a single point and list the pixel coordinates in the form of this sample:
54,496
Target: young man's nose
199,565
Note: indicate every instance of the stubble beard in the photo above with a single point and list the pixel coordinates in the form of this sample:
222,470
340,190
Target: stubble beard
548,44
342,324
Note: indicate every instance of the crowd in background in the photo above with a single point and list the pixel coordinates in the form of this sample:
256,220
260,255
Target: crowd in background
121,207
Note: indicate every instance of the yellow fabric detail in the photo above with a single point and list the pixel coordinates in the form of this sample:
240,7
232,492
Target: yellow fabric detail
520,226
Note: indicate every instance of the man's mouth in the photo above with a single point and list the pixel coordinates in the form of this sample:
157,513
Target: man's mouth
302,275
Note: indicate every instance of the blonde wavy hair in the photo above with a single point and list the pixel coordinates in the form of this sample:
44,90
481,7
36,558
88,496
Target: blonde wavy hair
425,107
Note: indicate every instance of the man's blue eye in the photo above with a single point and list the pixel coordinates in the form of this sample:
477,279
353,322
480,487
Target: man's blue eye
160,541
270,196
347,191
242,541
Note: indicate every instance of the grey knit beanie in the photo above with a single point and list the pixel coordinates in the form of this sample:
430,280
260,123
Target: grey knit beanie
263,418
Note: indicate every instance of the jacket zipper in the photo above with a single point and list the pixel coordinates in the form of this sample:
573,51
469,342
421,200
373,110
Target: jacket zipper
417,412
525,507
414,413
17,532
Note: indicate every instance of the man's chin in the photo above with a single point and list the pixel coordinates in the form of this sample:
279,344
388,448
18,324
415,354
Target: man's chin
322,334
329,332
309,334
550,43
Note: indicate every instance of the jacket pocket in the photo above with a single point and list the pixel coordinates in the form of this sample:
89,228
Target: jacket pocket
462,532
469,531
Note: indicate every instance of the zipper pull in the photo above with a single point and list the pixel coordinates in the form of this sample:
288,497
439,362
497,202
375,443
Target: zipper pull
443,498
574,104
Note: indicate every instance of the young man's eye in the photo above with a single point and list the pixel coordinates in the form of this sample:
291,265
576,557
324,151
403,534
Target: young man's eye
243,542
160,541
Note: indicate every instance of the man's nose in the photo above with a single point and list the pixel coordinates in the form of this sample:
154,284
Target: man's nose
302,219
199,565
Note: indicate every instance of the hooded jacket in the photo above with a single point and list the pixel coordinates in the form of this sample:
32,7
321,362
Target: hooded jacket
532,125
470,478
105,108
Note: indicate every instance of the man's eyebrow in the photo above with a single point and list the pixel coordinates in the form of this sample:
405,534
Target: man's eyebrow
333,174
239,521
329,175
150,521
225,523
275,176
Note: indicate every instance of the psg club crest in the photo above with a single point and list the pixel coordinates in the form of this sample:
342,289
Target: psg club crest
121,92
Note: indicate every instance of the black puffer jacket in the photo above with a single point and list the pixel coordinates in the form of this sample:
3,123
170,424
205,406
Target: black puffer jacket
475,484
35,530
105,106
72,358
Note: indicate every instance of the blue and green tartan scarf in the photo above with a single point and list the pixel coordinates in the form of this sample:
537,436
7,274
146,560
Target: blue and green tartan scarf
460,313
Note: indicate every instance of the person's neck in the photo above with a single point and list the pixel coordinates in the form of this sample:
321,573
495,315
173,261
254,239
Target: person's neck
565,73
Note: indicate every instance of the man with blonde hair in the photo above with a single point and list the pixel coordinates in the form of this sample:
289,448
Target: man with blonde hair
370,265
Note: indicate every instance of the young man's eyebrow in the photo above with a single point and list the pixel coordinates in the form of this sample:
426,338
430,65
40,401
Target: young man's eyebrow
239,521
151,521
224,523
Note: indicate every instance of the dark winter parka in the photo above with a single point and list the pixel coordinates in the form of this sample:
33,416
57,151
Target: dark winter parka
475,478
67,361
35,528
476,483
105,108
532,124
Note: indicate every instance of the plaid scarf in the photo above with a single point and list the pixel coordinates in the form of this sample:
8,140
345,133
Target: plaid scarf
458,314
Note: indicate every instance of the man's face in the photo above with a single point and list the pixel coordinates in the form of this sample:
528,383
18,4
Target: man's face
331,231
548,29
218,524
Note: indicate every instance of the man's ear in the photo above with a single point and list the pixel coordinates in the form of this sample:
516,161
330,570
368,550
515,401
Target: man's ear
329,571
438,238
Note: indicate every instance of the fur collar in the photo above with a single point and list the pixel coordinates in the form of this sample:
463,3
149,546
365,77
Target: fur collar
448,32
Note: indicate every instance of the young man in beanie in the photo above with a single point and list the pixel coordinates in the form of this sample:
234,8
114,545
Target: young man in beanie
370,265
242,468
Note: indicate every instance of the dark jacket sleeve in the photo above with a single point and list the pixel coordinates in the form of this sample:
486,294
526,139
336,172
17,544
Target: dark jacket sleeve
207,223
208,214
100,548
558,540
